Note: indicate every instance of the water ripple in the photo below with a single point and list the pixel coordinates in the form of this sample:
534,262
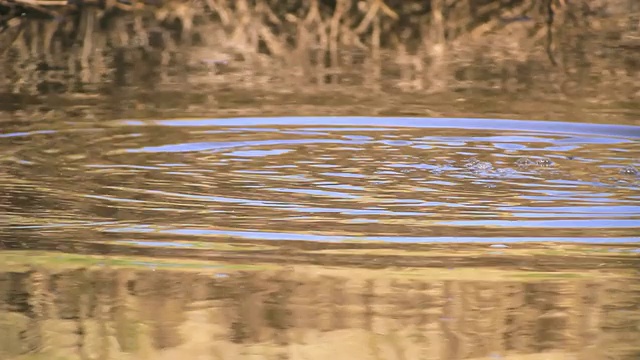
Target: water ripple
330,179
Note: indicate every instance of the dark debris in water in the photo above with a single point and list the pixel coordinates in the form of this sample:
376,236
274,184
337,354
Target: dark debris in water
477,165
526,162
629,170
544,162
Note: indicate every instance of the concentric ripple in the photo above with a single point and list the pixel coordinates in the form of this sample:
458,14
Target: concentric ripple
326,179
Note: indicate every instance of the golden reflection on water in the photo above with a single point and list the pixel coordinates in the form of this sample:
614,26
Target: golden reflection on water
138,239
155,240
74,307
322,182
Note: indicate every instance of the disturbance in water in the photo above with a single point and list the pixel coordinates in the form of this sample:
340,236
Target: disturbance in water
327,179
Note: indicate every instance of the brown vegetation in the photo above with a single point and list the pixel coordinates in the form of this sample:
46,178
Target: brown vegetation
577,48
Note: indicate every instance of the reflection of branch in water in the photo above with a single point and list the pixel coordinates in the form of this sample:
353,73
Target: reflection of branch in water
550,19
9,32
301,309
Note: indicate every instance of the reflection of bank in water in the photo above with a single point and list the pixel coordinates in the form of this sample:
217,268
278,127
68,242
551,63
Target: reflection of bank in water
412,45
69,308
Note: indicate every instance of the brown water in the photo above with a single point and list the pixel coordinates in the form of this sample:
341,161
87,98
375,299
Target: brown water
236,206
309,237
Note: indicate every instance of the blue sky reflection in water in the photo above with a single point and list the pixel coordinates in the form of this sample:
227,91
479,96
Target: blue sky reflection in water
331,178
320,237
258,235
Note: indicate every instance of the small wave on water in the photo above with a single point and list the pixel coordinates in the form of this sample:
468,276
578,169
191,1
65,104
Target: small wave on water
325,179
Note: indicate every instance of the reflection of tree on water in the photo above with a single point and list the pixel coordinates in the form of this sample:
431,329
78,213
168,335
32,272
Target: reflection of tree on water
413,45
111,313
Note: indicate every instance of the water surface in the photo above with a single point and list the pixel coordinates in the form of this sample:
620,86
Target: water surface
384,238
161,196
326,179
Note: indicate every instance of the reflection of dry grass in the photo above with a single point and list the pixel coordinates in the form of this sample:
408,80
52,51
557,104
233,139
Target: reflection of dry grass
131,311
410,45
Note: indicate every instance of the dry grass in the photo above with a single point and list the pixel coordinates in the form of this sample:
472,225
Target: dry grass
435,46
